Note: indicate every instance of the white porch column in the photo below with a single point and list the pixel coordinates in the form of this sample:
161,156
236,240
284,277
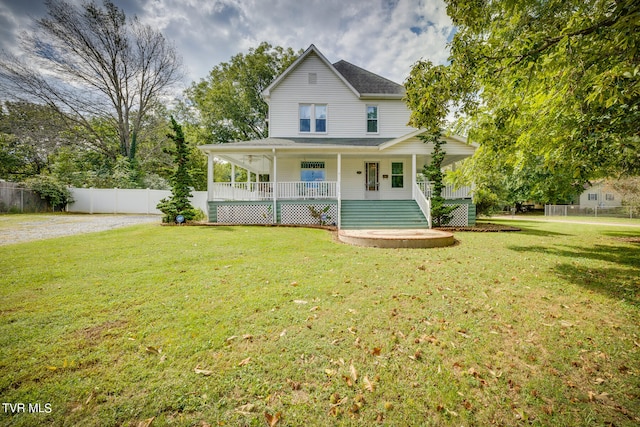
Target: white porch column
275,187
338,190
233,173
414,177
210,178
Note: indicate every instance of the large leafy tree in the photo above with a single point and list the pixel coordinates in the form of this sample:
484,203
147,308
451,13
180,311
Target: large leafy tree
228,103
29,134
90,62
551,87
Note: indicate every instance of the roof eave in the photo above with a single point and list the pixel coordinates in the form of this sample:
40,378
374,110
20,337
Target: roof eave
223,149
371,96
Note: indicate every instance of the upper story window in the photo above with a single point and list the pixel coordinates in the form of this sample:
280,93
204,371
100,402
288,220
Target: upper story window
609,197
319,114
592,196
372,119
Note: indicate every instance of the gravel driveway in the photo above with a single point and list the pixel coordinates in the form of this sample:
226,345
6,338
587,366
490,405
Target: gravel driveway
36,227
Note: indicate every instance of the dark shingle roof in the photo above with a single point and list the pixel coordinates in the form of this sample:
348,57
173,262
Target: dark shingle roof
290,142
366,82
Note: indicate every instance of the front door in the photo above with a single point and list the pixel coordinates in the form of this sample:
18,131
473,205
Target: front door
372,182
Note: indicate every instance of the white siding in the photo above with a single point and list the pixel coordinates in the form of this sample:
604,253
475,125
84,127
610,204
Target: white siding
353,183
346,113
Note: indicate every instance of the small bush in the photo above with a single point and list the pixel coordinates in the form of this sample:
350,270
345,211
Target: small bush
51,190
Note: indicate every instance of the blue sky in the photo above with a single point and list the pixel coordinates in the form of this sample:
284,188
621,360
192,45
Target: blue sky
382,36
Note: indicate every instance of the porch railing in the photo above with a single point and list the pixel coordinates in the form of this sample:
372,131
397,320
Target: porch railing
264,190
448,192
423,202
241,190
307,190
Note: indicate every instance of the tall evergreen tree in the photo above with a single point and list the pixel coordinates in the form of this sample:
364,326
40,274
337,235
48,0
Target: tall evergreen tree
181,182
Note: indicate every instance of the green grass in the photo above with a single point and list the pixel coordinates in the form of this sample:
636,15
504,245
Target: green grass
538,327
600,219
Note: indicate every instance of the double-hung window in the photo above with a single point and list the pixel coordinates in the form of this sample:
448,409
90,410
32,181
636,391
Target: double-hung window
372,119
305,118
319,114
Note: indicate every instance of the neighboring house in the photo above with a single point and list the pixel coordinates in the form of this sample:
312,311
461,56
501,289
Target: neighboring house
339,152
600,194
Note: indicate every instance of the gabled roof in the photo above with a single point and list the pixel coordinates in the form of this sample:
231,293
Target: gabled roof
363,83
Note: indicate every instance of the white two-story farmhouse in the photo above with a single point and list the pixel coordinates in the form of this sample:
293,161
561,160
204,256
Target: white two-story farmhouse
339,152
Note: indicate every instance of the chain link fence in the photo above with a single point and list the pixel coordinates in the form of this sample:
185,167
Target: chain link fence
594,212
17,199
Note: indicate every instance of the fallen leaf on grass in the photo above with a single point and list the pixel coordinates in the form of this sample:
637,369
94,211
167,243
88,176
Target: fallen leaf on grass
245,409
376,351
601,396
368,385
294,384
147,422
152,350
417,355
330,372
204,372
348,380
272,420
300,301
90,398
244,361
353,372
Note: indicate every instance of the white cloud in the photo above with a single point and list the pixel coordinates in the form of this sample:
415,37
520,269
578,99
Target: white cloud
383,36
374,35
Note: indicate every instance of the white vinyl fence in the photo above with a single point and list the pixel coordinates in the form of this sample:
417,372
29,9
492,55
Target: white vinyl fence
125,201
596,211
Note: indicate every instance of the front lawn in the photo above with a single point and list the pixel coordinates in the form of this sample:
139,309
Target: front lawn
188,326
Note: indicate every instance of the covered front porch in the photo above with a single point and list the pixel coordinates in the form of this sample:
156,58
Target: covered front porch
308,182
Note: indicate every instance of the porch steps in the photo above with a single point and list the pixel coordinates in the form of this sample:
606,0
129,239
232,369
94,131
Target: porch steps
381,214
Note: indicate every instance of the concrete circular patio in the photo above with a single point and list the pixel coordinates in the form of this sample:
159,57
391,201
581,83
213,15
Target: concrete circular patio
397,238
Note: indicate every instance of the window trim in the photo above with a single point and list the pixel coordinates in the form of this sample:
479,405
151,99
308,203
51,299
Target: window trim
397,174
313,118
592,196
377,119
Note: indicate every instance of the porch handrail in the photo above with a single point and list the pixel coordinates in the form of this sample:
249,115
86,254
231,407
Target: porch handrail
241,190
308,190
448,192
423,202
264,190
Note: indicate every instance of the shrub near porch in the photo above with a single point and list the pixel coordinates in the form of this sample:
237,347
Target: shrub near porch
222,325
